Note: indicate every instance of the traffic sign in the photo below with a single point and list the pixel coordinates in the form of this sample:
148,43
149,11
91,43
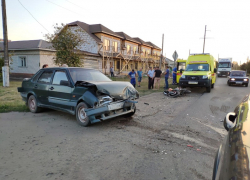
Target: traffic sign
175,55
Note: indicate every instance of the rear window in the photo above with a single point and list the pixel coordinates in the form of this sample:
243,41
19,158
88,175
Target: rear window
45,78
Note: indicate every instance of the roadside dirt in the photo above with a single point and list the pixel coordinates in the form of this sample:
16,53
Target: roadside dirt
151,145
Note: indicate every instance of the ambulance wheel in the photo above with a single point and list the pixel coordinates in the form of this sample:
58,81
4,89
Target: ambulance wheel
208,88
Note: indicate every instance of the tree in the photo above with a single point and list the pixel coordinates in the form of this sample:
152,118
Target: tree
66,42
1,65
235,65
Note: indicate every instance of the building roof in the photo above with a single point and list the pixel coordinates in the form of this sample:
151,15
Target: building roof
99,28
28,45
85,27
142,42
94,28
127,37
154,46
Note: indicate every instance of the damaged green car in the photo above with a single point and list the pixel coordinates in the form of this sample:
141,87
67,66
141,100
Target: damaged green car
86,93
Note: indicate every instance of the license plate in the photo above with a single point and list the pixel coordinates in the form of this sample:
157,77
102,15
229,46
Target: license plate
115,106
192,82
238,82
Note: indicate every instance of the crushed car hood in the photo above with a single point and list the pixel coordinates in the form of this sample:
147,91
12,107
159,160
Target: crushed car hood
116,89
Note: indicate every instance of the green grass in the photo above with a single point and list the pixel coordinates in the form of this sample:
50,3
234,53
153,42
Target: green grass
10,99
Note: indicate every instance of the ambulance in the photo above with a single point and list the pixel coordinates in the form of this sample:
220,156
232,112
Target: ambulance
181,66
200,72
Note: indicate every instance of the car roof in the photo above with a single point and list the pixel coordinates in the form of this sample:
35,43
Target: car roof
70,68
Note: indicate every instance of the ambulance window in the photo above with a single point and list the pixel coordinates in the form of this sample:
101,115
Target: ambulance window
181,65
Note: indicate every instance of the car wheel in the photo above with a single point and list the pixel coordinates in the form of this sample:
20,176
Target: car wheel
208,88
81,115
132,113
228,83
246,85
212,86
32,104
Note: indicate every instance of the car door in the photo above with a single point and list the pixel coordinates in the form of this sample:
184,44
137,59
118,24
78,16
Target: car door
41,86
60,91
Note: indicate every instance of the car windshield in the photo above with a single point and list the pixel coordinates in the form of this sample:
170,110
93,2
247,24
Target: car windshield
238,73
197,67
224,65
79,74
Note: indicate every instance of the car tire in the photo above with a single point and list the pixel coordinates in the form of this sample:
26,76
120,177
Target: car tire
208,89
132,113
228,83
212,86
246,85
81,115
32,104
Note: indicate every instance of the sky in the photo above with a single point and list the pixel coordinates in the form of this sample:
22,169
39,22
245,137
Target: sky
181,21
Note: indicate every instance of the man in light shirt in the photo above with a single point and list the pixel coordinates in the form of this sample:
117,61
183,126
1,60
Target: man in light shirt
150,78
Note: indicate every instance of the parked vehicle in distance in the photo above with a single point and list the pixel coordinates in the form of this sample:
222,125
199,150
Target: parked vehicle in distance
224,66
238,77
200,72
86,93
232,158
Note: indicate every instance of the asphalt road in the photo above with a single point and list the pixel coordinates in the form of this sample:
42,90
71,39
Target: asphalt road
166,139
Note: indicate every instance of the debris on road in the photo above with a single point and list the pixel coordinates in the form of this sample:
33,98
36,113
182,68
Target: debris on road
189,145
146,103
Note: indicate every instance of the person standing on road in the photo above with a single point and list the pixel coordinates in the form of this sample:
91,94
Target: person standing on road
132,75
139,77
154,77
112,71
174,75
157,77
166,77
150,78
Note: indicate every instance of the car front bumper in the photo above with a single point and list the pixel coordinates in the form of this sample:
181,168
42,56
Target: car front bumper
195,83
112,110
238,82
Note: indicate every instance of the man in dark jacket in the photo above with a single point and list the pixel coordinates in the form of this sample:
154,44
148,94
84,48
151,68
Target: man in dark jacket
157,78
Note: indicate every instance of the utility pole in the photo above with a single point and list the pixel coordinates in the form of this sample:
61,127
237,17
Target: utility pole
5,68
161,51
204,38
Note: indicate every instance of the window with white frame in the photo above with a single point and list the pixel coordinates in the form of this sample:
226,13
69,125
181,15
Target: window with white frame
144,52
134,50
115,46
128,49
106,44
22,61
148,52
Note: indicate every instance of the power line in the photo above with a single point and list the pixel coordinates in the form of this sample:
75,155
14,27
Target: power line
63,7
75,5
33,16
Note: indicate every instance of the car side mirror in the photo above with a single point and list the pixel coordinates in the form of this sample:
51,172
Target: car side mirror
230,120
215,70
64,83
